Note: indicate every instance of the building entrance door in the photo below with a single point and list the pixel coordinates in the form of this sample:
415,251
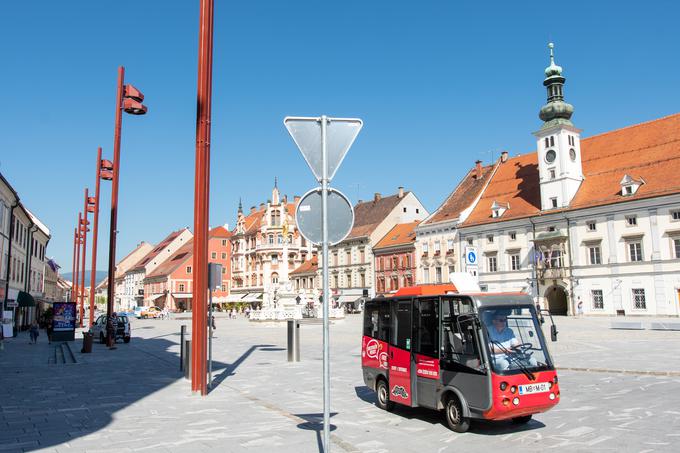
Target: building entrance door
557,300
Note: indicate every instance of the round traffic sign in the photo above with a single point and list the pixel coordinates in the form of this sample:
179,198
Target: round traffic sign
472,258
340,216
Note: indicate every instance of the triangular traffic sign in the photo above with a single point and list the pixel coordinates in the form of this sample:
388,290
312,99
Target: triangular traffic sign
340,135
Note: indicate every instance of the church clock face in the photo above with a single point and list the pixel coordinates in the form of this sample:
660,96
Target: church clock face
550,156
572,154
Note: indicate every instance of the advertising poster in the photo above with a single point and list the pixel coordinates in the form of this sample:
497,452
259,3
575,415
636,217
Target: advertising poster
64,321
7,329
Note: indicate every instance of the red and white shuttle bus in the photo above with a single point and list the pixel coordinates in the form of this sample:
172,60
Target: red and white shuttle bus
472,355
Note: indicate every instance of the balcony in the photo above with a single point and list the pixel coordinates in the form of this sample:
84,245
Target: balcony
552,273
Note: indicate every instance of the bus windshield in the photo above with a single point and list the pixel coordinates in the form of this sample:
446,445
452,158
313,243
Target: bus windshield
515,342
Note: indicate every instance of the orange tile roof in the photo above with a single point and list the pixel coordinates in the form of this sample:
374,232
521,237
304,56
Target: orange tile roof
369,214
308,267
401,234
649,150
156,250
462,196
220,232
168,266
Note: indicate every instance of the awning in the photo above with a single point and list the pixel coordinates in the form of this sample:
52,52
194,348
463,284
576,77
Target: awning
344,300
234,298
252,297
25,300
156,296
182,295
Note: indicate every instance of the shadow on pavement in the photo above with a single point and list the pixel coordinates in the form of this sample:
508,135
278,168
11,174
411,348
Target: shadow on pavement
484,427
230,368
314,422
45,405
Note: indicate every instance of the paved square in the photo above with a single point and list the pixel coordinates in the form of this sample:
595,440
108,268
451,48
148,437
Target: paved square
135,399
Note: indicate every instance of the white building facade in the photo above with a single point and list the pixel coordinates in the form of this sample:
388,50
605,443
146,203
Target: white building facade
582,222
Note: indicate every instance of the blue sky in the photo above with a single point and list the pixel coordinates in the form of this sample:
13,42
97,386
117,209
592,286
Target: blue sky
438,84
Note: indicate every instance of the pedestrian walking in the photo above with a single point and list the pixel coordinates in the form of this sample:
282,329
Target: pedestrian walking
34,332
111,327
579,308
49,329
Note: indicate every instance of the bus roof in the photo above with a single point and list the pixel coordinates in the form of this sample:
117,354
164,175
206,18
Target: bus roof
426,290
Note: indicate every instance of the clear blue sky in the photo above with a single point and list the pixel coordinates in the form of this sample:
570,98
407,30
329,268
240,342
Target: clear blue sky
438,84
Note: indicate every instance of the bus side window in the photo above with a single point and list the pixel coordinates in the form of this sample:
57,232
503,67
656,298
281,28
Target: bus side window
384,322
400,334
467,349
371,320
426,327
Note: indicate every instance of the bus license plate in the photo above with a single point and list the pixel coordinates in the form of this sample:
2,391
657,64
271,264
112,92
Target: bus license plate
534,388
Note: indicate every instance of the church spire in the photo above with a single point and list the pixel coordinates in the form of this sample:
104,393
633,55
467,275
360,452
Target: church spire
240,206
556,111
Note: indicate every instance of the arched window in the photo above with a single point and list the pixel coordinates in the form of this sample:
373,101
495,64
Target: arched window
271,239
275,277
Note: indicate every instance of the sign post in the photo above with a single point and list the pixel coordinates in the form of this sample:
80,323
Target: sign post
324,142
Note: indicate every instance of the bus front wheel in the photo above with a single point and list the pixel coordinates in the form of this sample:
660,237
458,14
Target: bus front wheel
383,393
453,411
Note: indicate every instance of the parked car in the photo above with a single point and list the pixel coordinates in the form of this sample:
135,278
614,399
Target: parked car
138,312
151,312
123,331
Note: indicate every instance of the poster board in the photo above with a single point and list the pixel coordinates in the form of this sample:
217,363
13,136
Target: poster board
64,321
6,324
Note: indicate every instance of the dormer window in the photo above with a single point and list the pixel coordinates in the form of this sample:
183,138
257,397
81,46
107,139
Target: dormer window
630,185
498,209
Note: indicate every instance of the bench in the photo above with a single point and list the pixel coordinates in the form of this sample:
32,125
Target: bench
627,325
664,326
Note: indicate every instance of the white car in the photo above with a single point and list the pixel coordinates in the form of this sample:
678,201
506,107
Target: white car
123,331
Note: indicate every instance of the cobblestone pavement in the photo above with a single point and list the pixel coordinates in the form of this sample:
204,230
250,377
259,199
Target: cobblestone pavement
135,399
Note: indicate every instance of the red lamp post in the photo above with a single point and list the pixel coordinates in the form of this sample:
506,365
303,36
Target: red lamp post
73,267
84,230
128,99
104,171
76,282
201,200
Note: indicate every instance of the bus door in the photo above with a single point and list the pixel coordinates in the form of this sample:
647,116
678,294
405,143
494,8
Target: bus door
462,363
426,350
400,353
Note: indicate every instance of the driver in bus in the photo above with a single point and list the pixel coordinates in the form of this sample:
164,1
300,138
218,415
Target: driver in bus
502,341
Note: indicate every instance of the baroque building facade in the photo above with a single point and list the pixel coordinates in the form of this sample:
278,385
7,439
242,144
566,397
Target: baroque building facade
266,247
589,221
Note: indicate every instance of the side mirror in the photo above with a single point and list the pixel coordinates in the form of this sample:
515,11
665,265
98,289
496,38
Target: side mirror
553,332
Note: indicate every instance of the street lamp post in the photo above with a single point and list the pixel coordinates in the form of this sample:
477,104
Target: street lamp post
84,230
130,99
77,269
103,172
73,266
201,199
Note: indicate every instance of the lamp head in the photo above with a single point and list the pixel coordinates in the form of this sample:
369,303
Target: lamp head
134,107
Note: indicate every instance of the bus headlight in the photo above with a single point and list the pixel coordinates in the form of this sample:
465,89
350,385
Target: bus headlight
515,401
506,402
551,396
513,389
504,385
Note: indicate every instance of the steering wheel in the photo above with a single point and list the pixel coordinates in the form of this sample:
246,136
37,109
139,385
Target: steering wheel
523,348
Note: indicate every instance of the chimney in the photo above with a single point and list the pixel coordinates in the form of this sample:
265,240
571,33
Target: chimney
504,156
252,209
377,196
360,201
261,205
296,199
478,169
401,191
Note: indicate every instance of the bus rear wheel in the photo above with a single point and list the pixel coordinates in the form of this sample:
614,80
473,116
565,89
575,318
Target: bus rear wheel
383,396
453,412
521,420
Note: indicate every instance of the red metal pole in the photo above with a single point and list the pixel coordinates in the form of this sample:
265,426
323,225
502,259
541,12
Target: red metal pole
114,192
79,235
94,235
73,271
201,199
82,275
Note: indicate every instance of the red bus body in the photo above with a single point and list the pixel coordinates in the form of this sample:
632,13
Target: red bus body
436,348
